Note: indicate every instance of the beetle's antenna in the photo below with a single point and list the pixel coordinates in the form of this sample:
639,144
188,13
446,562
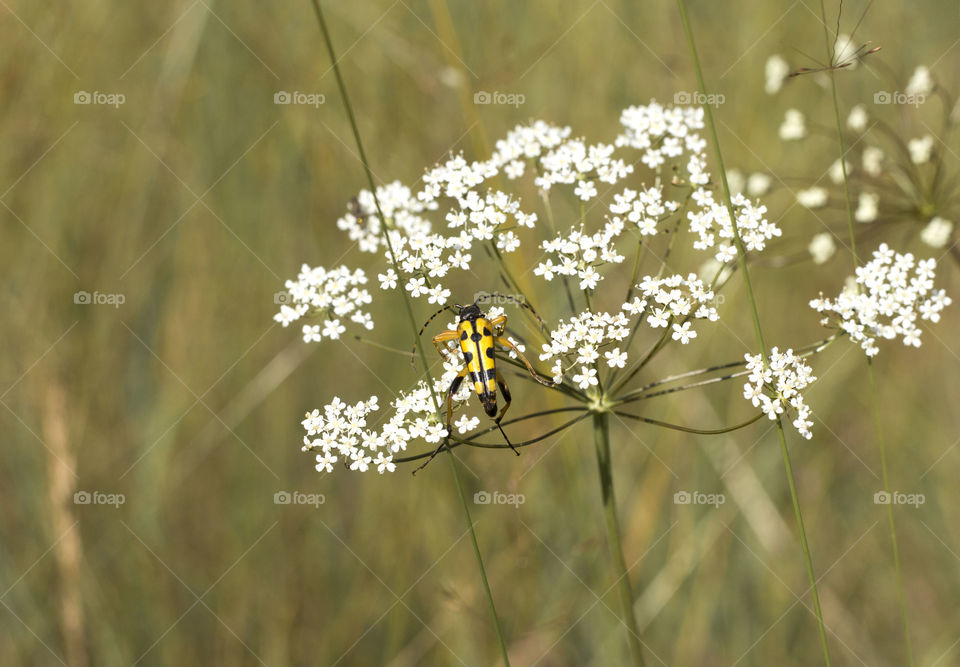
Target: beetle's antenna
413,350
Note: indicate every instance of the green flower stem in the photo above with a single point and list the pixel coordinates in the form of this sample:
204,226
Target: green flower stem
742,258
406,300
601,438
873,386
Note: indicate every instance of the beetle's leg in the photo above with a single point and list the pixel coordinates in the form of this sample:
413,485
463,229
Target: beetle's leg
440,342
505,390
454,386
503,342
499,322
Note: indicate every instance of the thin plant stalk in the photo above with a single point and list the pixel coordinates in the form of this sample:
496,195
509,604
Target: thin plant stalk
874,398
742,259
409,309
601,438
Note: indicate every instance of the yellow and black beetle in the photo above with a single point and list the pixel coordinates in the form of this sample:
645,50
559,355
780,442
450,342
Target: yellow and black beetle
477,335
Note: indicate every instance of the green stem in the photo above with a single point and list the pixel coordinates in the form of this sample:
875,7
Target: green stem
742,259
406,300
479,557
893,527
873,387
601,438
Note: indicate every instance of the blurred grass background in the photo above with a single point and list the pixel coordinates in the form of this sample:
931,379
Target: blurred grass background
198,196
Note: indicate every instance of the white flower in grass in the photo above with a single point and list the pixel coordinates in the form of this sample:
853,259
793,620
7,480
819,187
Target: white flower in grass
836,171
937,233
890,295
921,83
438,295
417,286
616,358
815,197
384,463
332,329
822,247
794,126
776,72
466,424
920,149
333,294
586,190
683,333
758,184
341,432
710,221
867,207
858,118
586,378
387,280
775,387
873,160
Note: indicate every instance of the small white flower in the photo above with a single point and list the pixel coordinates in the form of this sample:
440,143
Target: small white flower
858,118
332,329
466,424
822,247
616,358
815,197
776,71
794,126
921,83
920,149
937,233
311,333
873,160
586,190
867,207
683,333
416,286
758,184
586,378
388,280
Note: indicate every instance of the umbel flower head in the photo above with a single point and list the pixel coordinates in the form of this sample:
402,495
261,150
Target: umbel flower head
887,299
427,240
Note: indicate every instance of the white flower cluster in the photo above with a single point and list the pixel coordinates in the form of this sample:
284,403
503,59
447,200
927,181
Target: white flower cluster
674,298
340,431
666,133
578,341
580,254
399,207
710,220
573,161
332,295
646,209
889,296
776,385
